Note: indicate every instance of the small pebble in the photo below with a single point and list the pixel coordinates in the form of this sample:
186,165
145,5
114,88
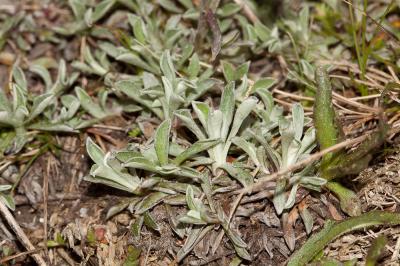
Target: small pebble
83,212
123,219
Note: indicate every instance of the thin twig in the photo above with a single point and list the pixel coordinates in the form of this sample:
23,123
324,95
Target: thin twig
222,233
20,233
312,158
23,200
8,258
247,11
45,207
64,255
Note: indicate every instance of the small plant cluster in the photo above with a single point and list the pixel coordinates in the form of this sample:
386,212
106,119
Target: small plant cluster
232,146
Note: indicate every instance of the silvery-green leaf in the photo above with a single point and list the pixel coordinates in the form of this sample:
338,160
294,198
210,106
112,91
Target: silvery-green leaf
139,29
88,104
263,84
19,79
187,119
298,120
40,103
175,200
307,69
202,111
161,141
250,33
7,138
72,103
186,53
150,201
173,37
8,200
175,149
62,81
78,8
194,66
95,152
102,8
242,70
312,180
173,222
5,187
197,147
308,141
141,163
167,169
20,139
108,182
167,66
150,222
137,226
135,60
19,102
229,71
229,9
214,124
102,96
248,147
4,102
110,49
112,177
288,140
188,172
186,3
242,90
227,108
173,23
149,80
262,159
236,261
292,197
172,99
307,219
170,6
133,90
194,236
116,209
83,67
200,161
149,152
242,112
279,199
43,73
267,99
262,31
93,63
199,89
88,17
234,237
46,126
191,200
192,217
239,174
125,156
178,187
272,154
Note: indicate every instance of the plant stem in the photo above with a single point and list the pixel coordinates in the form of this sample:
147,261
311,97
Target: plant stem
332,230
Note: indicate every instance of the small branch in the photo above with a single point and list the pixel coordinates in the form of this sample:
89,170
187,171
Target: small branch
8,258
312,158
247,11
20,234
